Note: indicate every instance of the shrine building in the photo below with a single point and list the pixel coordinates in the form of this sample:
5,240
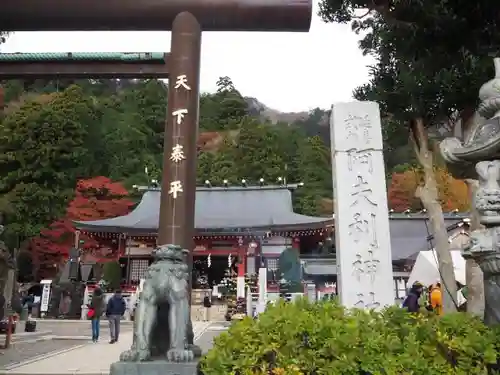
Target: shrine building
236,227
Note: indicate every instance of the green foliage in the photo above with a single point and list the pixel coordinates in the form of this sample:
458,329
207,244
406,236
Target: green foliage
205,165
316,123
123,123
412,78
41,155
255,152
112,275
223,164
316,174
223,110
415,78
323,338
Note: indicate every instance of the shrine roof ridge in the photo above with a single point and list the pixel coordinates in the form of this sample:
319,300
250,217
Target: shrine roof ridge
425,216
231,188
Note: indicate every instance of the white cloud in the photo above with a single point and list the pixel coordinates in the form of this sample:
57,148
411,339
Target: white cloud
286,71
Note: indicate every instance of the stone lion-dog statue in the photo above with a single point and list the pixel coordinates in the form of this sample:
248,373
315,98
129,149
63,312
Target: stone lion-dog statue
162,314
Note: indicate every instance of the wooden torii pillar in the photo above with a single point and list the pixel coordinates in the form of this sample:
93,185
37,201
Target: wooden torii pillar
186,19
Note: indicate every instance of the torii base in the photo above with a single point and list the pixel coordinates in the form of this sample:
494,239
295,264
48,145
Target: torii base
158,367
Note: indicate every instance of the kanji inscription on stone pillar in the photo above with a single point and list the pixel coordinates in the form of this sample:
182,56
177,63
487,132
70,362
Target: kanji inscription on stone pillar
361,215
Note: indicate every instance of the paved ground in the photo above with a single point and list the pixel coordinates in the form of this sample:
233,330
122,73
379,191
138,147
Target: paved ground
76,355
50,336
206,340
22,352
60,330
74,328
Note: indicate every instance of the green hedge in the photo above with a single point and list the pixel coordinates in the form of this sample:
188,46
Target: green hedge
325,339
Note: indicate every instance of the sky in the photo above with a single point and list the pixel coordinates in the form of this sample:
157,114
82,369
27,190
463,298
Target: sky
261,65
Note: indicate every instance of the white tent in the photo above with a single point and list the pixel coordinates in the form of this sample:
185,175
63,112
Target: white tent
426,270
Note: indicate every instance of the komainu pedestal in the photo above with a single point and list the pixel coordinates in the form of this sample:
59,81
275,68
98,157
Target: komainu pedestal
482,148
154,368
161,322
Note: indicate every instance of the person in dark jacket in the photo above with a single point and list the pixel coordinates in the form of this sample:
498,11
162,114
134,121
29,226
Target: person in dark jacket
411,301
97,305
207,304
114,311
29,301
2,307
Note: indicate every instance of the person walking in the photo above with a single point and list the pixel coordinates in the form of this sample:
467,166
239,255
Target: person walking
30,301
95,312
115,311
436,298
207,304
411,301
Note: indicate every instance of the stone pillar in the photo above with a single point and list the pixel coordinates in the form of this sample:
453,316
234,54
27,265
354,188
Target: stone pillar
240,280
261,304
473,273
249,302
361,215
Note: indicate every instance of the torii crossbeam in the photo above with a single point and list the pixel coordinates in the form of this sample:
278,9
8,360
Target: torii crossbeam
83,65
126,15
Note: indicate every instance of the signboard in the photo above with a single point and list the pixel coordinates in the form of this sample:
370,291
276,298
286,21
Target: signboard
44,305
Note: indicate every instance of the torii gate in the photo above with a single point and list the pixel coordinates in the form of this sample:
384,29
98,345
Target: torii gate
186,19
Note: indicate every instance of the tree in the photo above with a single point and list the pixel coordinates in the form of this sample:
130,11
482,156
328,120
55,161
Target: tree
289,144
315,169
257,153
401,191
41,155
223,110
398,153
225,84
316,123
148,99
129,136
420,84
205,162
224,165
453,194
112,276
95,198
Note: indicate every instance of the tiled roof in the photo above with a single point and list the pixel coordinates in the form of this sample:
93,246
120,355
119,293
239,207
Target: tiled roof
218,209
413,233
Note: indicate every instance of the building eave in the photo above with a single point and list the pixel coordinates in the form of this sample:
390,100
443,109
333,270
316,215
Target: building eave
219,210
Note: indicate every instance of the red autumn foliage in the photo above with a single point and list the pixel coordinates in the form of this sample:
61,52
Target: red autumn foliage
453,193
95,198
401,192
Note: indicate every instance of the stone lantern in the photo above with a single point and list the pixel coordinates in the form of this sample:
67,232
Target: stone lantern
482,148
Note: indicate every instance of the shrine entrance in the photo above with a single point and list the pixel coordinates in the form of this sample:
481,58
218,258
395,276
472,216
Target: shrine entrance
211,271
186,19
